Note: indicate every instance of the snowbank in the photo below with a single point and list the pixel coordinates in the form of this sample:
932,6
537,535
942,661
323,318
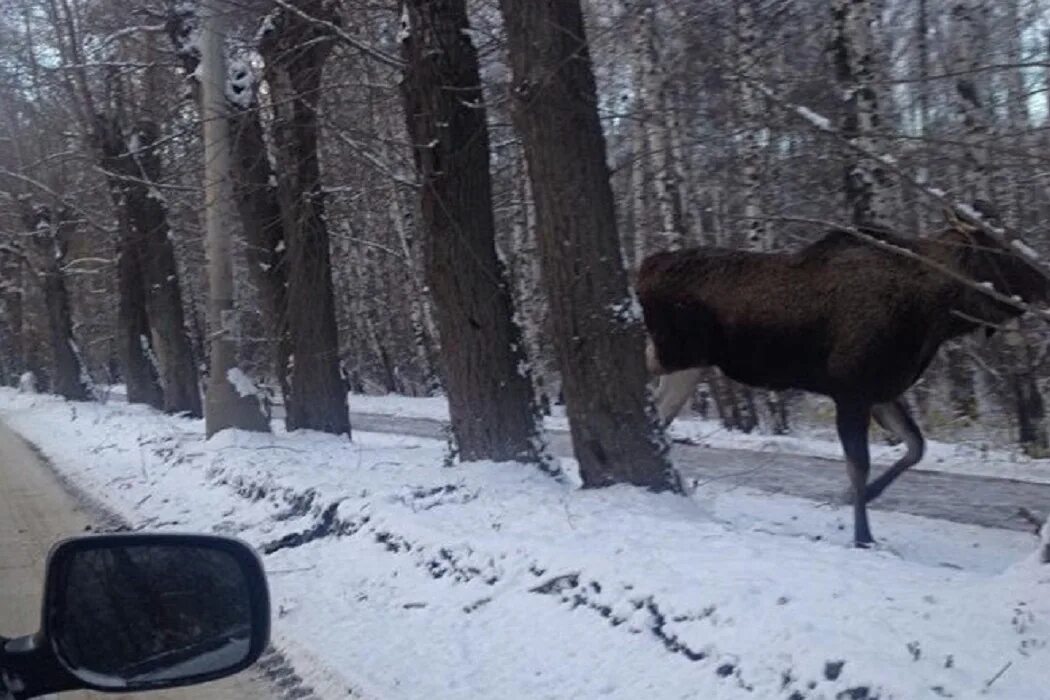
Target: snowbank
401,578
974,459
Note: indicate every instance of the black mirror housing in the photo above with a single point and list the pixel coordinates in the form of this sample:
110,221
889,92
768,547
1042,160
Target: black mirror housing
137,612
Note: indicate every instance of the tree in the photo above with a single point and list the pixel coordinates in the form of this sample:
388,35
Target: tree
486,376
997,202
754,228
231,401
11,299
857,69
295,44
48,234
132,163
155,343
596,320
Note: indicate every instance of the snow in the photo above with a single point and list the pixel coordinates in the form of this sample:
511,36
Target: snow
817,120
404,32
493,580
970,458
266,26
1024,249
628,311
242,383
240,83
27,383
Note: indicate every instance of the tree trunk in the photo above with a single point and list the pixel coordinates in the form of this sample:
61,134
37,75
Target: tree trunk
295,49
260,214
754,229
135,339
12,295
658,121
133,165
856,63
487,377
1028,401
598,327
969,27
49,234
750,105
148,214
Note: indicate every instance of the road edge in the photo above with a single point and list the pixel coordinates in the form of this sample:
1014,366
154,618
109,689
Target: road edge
273,666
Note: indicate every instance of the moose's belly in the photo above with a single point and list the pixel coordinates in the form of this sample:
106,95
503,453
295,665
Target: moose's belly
777,358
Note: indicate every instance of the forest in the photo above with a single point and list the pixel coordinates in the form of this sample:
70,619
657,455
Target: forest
442,197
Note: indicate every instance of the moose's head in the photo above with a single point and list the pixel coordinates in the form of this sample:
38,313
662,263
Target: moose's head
989,261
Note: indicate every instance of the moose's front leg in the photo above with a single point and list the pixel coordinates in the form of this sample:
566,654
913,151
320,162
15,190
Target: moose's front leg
673,388
673,391
852,421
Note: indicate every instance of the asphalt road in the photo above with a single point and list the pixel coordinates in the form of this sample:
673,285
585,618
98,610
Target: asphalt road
965,499
35,511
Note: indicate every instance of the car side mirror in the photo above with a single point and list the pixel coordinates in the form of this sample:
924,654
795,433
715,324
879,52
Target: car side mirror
135,612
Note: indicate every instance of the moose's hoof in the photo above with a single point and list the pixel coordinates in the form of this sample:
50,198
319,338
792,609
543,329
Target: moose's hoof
864,544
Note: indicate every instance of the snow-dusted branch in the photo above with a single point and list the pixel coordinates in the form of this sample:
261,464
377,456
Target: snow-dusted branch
344,36
964,211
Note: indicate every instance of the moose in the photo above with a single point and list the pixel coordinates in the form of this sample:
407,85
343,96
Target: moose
854,318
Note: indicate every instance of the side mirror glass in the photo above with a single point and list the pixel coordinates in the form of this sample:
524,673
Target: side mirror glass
141,612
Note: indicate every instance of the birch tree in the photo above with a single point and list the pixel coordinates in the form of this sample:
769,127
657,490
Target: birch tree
855,50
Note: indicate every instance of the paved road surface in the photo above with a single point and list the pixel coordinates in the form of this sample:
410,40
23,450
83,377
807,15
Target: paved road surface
35,511
966,499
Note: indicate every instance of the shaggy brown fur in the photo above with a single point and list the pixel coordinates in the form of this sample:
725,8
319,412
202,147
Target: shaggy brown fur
841,317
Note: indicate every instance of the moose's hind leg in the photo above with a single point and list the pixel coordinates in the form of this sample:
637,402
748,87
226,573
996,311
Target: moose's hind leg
852,422
893,416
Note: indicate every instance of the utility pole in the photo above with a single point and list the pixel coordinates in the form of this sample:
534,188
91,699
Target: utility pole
230,401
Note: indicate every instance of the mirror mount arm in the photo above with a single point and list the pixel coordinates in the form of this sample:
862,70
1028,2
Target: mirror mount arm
28,668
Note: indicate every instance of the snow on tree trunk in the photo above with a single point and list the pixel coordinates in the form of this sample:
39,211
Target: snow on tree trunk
597,325
867,186
491,403
295,49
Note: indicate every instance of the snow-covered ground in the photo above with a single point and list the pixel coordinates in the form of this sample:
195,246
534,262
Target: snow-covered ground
972,458
404,578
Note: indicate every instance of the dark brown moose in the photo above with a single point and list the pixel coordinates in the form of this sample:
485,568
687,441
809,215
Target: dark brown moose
842,317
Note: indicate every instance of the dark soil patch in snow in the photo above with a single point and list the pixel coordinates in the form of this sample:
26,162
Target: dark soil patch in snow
329,525
567,588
